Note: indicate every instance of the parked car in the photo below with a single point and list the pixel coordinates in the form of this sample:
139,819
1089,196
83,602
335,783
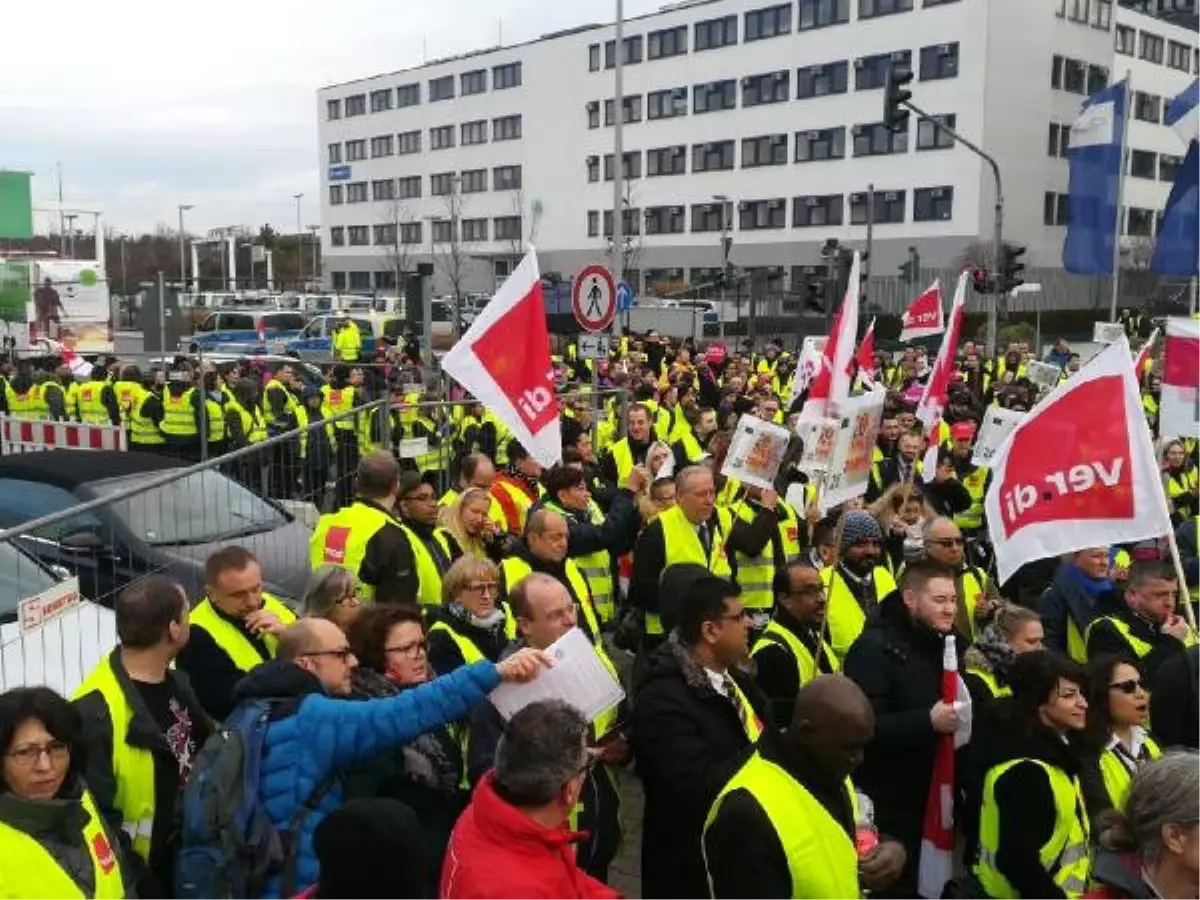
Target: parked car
315,342
237,330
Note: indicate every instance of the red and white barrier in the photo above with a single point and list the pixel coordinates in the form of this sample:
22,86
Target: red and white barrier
25,436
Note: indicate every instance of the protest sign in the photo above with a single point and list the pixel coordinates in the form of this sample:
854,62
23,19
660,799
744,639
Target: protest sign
850,468
996,426
756,452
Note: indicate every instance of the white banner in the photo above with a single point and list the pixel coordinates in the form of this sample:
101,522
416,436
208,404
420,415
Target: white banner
819,439
756,451
997,424
850,469
1107,332
1044,376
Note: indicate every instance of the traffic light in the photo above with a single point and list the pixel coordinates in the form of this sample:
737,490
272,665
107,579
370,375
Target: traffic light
910,271
981,281
815,301
895,117
1012,270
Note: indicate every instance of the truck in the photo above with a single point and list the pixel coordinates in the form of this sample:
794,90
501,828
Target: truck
76,312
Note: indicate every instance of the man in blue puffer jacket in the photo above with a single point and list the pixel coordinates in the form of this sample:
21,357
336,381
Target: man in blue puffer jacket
325,734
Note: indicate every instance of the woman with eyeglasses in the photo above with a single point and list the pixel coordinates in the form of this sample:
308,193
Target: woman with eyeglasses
1119,743
53,840
472,624
332,593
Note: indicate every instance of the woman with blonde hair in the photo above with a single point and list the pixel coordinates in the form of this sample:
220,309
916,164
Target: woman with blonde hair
467,519
901,510
473,623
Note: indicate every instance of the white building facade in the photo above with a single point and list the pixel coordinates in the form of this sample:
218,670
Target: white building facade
761,122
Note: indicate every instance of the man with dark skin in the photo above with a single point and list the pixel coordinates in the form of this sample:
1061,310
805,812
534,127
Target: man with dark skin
832,723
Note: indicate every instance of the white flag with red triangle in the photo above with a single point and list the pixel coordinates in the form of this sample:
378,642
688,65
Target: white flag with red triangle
831,385
1179,410
924,317
866,353
937,389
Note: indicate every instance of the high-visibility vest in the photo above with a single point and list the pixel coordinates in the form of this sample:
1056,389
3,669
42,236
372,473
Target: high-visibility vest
21,405
41,399
347,342
32,872
335,401
243,654
90,404
254,427
215,413
991,682
514,501
821,857
341,539
132,767
1137,646
974,584
1117,776
975,483
290,405
755,574
1064,856
127,394
431,460
682,545
179,416
467,648
516,570
622,455
845,617
776,635
596,566
429,576
1179,492
730,493
142,429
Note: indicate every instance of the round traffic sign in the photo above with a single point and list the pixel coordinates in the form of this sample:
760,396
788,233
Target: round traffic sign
594,298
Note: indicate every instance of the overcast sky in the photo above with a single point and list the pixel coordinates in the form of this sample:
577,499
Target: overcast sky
148,105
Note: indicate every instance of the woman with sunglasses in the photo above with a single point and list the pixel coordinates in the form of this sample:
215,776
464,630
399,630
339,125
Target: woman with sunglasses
472,624
332,593
53,841
1119,744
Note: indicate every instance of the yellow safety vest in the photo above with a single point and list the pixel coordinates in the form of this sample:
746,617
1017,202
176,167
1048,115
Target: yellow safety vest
596,567
341,539
215,413
1137,646
143,430
515,503
290,403
470,652
974,584
516,570
682,545
22,406
755,574
972,518
132,767
243,654
253,426
775,635
429,577
90,404
347,342
30,871
622,456
845,617
431,460
179,417
335,401
1117,778
1064,856
127,394
821,857
991,681
41,398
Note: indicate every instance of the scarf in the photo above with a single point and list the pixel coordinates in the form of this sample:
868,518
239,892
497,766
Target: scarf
1093,587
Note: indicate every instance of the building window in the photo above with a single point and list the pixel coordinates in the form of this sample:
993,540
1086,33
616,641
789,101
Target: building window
1073,10
474,229
1102,14
593,57
870,9
764,150
383,189
473,132
817,211
337,236
506,228
876,139
755,215
408,142
441,138
667,161
356,150
1179,56
593,223
714,96
358,235
667,42
473,82
889,207
1126,40
631,222
408,95
1074,76
506,178
1168,167
408,187
339,281
506,76
933,204
1055,209
713,33
441,184
665,220
823,80
385,235
633,53
631,166
381,101
633,109
822,13
381,146
871,72
356,192
593,113
385,281
473,181
1058,140
1140,222
360,281
333,109
930,137
506,128
928,3
939,61
667,104
771,87
1143,164
336,195
356,105
1097,79
1152,48
443,231
410,232
769,22
441,88
592,163
826,143
334,153
713,156
1147,107
712,217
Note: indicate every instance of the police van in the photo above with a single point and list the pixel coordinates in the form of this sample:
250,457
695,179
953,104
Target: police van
244,331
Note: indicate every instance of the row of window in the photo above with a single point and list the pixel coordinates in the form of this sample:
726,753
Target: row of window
408,187
754,25
503,77
1154,48
1097,13
503,128
1142,163
930,204
1076,76
1135,221
443,231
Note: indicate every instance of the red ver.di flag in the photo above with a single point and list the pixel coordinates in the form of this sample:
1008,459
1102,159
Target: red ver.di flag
1079,471
504,360
924,317
1179,410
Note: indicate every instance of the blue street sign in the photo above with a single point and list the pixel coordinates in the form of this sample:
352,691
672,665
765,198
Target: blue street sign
624,296
339,173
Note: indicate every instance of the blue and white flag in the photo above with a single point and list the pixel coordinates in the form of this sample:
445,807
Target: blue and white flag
1178,248
1095,157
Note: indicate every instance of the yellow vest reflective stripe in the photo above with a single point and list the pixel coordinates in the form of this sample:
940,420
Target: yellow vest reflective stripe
513,499
1139,647
682,545
466,646
596,567
243,654
974,582
993,684
821,856
755,573
516,570
730,493
142,429
775,635
429,577
789,532
1117,778
622,458
972,518
341,539
38,874
132,767
179,417
90,404
335,401
845,617
215,414
1064,856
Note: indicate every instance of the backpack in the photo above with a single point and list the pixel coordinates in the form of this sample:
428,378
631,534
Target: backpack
228,845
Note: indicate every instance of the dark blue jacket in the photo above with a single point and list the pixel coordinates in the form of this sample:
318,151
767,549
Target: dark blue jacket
326,735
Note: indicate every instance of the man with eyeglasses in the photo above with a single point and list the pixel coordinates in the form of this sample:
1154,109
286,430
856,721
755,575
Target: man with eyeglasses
1144,624
433,548
944,544
857,584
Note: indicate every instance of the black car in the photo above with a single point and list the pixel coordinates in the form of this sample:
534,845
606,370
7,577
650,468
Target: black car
158,520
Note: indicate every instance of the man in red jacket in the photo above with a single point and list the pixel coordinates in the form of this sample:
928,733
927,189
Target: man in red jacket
512,840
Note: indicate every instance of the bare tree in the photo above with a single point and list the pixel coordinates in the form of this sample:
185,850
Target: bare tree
977,255
631,237
396,215
450,255
1137,252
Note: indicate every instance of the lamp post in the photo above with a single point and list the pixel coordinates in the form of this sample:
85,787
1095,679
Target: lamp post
299,244
722,200
183,207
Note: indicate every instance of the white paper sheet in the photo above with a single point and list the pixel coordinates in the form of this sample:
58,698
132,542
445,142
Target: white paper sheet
578,677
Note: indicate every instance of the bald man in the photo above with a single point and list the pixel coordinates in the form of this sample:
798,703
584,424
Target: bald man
795,792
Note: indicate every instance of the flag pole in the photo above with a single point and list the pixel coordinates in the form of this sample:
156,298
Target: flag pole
1183,598
1116,256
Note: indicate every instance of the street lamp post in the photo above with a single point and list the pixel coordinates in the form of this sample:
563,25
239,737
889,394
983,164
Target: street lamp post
722,200
316,247
183,207
299,244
